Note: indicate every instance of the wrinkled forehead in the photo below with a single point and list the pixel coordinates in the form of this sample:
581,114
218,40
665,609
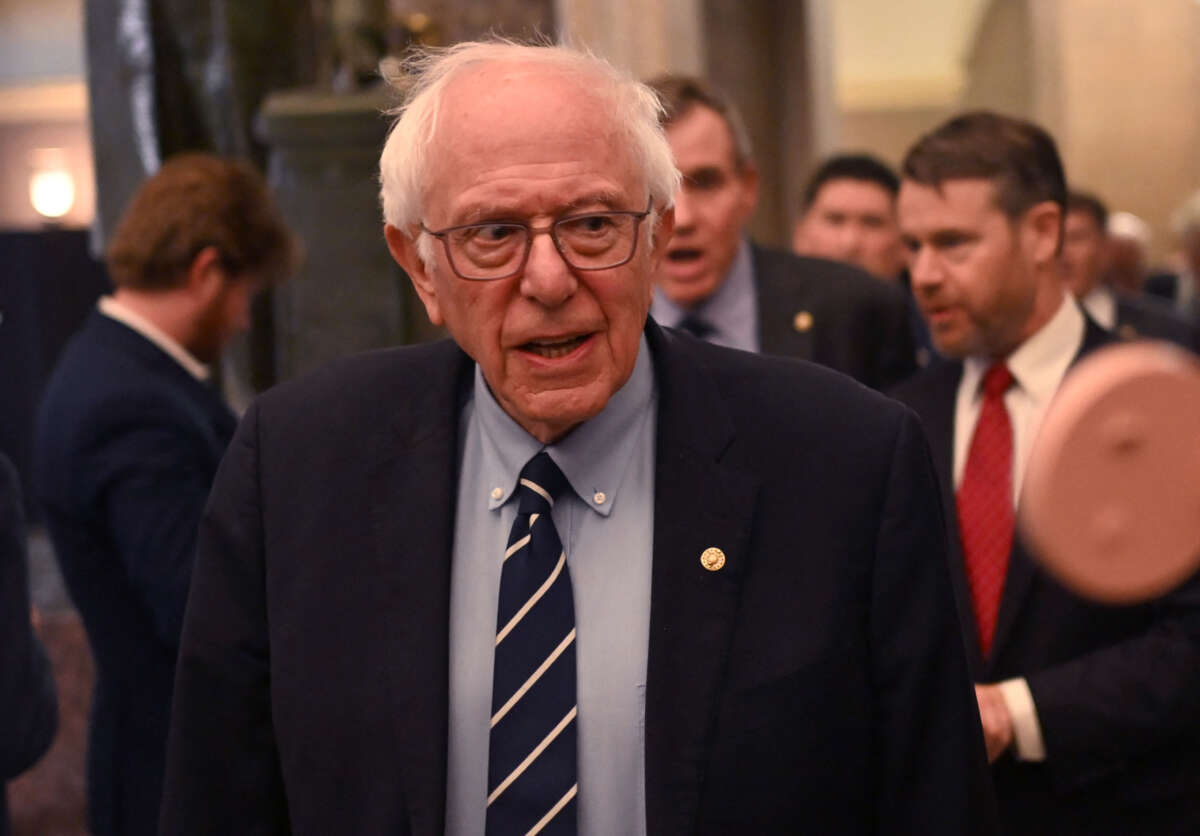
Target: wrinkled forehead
496,106
522,117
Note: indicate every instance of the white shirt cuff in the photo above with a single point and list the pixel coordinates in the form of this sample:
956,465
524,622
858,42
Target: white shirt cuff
1027,731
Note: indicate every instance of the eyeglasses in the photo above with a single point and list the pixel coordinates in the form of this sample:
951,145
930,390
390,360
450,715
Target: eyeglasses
499,249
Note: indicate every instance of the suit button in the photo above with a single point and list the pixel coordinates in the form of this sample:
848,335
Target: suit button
712,559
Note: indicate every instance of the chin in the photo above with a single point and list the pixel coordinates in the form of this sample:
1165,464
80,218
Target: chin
548,416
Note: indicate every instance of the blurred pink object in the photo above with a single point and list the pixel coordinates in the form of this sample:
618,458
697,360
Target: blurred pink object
1111,496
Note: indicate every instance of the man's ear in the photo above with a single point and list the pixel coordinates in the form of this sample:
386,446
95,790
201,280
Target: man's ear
664,228
404,251
206,275
748,174
1042,228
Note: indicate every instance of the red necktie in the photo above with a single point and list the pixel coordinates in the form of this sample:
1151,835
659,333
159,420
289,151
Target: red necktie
985,504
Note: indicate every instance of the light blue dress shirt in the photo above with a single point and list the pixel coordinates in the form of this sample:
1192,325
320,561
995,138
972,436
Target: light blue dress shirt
732,310
606,524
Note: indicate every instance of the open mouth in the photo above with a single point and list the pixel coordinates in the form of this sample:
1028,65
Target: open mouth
684,256
552,349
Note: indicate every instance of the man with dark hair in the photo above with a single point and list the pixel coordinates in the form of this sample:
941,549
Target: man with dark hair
848,213
1128,316
1091,713
721,287
129,435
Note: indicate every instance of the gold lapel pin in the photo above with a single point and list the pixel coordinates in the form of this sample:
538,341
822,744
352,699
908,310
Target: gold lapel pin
1127,332
803,321
712,559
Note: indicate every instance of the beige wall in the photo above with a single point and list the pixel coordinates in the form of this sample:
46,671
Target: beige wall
1131,104
888,133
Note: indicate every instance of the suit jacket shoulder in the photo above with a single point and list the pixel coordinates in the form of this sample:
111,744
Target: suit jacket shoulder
1149,317
835,315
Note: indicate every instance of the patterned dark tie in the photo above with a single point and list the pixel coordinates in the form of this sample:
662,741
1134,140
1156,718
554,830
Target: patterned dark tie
532,750
696,326
985,504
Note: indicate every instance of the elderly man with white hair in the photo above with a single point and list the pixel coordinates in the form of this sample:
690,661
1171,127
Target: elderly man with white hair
567,572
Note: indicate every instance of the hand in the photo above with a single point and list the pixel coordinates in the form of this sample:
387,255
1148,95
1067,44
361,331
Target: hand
997,723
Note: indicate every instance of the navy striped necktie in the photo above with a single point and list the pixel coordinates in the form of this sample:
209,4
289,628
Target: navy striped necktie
532,750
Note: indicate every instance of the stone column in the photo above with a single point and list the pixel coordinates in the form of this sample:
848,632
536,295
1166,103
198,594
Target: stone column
349,295
646,37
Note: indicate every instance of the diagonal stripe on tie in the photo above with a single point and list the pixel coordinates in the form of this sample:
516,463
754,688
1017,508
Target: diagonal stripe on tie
554,811
532,750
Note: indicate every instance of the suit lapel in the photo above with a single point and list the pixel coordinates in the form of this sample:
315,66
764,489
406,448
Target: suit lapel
413,492
700,502
779,331
938,417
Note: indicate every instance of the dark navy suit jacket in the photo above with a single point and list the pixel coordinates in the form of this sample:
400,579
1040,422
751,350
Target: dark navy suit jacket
126,448
856,324
814,684
1116,689
28,709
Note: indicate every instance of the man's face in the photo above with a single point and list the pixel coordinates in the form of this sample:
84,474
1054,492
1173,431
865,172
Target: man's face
1082,252
973,270
515,143
713,204
853,221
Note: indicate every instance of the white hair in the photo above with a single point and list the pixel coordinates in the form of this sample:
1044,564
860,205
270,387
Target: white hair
1130,227
422,79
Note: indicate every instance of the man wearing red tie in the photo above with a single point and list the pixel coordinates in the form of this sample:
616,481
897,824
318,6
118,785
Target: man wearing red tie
1091,713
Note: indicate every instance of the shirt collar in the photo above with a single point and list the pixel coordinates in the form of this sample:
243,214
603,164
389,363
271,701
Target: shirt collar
723,309
1101,305
593,456
1038,364
113,309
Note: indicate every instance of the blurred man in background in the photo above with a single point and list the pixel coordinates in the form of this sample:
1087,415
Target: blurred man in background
129,435
721,287
848,213
1127,315
1126,252
1091,713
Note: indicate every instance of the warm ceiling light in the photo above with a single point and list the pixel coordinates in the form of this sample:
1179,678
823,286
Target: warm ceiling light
51,186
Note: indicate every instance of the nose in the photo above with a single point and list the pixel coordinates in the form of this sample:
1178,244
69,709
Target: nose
851,240
923,268
547,278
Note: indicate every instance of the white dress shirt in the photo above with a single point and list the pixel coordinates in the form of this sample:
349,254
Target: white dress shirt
1101,305
1038,367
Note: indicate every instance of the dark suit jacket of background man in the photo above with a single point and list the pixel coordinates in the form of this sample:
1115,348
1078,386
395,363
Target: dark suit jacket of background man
314,657
1121,758
28,707
1148,317
859,324
127,446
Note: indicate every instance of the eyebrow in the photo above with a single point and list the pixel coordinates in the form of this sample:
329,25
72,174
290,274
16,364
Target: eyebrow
610,200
